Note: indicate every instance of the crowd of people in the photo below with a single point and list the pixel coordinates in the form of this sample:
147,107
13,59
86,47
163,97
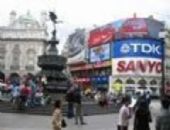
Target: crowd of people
26,92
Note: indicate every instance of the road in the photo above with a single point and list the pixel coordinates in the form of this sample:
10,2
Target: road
97,122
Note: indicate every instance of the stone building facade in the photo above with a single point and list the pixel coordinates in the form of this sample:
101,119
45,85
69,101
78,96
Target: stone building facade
21,42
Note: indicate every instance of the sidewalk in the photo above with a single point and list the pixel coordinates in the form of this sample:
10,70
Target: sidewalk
97,122
27,122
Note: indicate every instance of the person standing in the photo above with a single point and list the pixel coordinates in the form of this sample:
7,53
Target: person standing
124,114
33,87
142,116
70,100
148,98
78,105
57,116
15,93
24,96
163,120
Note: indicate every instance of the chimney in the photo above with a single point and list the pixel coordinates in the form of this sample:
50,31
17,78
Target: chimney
44,18
134,15
12,17
151,17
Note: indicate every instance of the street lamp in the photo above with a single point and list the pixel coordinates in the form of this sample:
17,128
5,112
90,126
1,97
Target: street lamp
162,36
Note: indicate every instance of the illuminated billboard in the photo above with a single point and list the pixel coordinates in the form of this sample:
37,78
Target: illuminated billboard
100,53
101,35
137,57
137,47
136,66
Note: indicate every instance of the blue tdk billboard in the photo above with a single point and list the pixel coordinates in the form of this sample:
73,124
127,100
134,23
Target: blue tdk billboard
146,48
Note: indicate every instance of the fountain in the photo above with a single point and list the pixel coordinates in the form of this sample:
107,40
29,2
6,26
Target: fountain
52,63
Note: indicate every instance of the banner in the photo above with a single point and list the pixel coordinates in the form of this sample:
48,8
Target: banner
144,48
100,79
134,27
80,57
137,66
100,53
101,35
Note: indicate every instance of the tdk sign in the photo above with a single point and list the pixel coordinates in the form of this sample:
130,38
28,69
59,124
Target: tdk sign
143,48
137,48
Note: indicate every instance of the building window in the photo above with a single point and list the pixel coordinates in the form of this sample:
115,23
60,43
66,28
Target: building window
2,66
118,81
153,82
31,55
108,71
142,82
30,68
130,81
15,65
2,57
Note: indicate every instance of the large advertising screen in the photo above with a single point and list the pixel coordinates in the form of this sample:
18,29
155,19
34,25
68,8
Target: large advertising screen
101,35
80,57
148,48
100,53
137,57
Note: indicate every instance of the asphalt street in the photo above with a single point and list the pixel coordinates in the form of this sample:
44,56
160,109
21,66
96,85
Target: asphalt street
35,122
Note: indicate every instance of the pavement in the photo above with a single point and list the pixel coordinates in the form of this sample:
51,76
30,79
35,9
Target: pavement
97,122
90,108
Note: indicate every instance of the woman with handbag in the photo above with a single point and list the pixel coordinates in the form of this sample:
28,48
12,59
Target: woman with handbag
57,120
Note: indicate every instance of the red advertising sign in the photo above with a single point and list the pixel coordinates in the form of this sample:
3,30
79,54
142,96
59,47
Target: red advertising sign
134,26
101,35
82,79
83,67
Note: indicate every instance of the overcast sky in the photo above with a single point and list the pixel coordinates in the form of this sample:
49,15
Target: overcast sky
85,13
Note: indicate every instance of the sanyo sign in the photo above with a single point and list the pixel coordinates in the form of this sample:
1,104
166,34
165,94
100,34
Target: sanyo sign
137,48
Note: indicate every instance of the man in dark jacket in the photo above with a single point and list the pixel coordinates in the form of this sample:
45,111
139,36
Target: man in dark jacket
70,100
78,105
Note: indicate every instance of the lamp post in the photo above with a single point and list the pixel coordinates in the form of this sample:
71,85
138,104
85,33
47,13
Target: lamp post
162,36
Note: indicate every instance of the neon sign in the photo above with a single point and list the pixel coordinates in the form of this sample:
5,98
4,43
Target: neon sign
139,66
144,48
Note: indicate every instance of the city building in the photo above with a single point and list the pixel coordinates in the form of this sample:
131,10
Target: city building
124,55
21,42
